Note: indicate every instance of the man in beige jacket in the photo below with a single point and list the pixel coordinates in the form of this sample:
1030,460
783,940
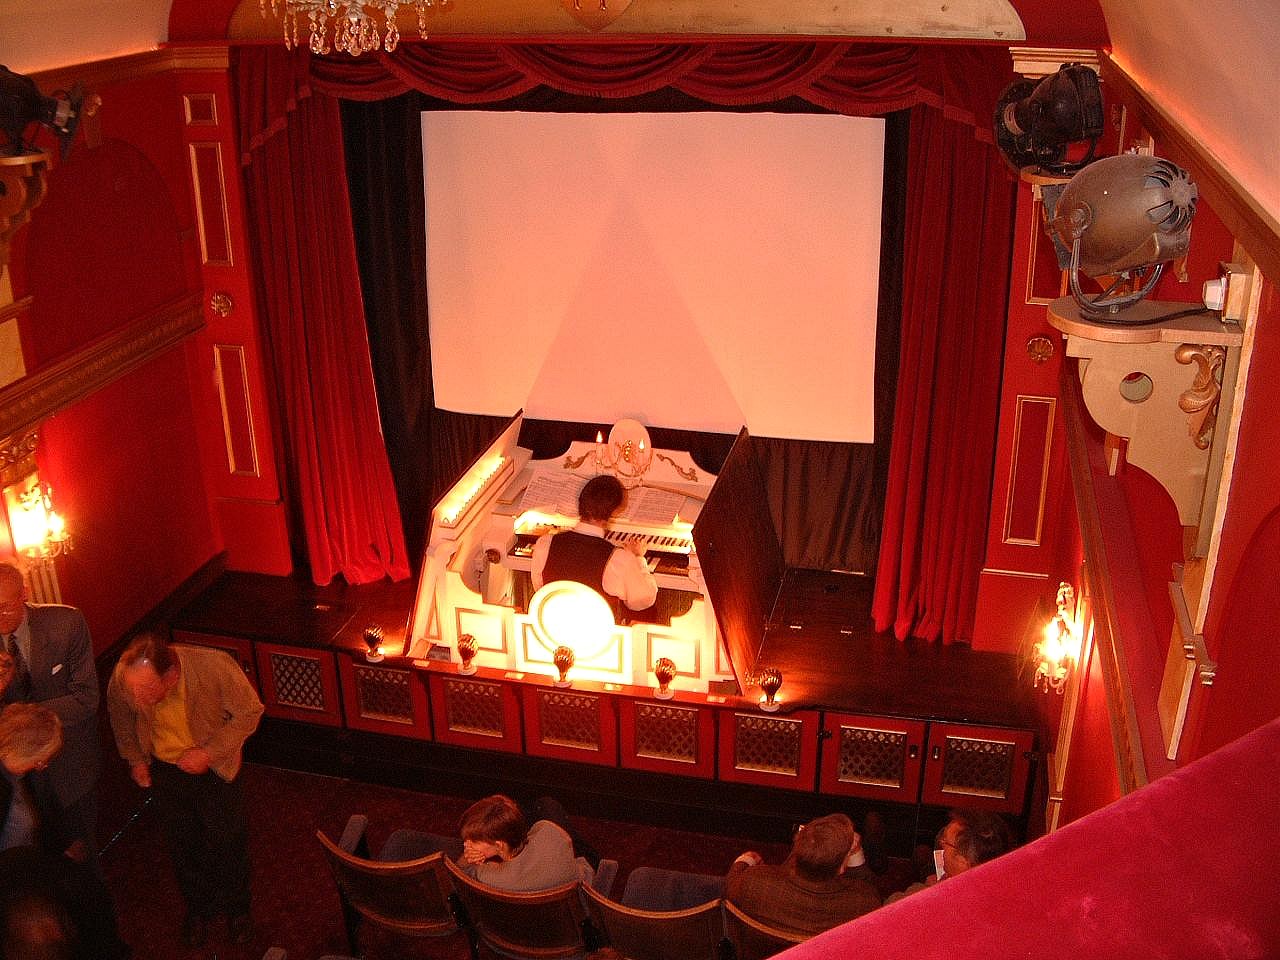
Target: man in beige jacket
181,715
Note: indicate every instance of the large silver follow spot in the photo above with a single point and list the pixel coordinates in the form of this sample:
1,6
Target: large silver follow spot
1125,217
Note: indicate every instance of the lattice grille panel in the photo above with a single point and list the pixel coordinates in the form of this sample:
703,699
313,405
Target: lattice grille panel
474,707
767,744
384,694
872,757
298,681
977,768
569,719
666,733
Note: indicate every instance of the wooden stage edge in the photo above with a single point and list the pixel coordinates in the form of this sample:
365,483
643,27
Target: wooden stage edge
820,637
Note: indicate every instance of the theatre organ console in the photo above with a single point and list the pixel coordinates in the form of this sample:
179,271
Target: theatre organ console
482,536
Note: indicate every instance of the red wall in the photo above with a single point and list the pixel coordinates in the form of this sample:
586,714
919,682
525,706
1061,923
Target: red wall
113,240
127,475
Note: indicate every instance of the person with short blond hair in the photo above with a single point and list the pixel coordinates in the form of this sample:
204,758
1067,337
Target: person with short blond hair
30,736
36,845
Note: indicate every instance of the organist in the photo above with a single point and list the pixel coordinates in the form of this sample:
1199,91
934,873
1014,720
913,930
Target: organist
583,554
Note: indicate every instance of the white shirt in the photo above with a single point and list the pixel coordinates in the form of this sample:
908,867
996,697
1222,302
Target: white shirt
626,576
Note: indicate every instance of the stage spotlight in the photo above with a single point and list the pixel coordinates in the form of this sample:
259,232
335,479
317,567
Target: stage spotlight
1123,217
22,104
1036,122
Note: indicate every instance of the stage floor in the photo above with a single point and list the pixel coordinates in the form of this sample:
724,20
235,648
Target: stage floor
820,637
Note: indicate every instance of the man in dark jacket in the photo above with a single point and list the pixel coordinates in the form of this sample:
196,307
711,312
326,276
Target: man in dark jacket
814,890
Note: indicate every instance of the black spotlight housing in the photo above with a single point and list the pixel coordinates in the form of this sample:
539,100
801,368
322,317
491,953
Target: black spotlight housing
1036,122
22,104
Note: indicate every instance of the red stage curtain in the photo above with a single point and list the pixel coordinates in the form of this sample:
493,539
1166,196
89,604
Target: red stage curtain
314,320
955,282
860,79
960,204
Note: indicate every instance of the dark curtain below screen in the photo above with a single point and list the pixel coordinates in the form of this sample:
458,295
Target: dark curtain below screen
826,498
383,149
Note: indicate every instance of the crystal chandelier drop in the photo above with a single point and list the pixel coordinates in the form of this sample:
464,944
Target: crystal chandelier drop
349,26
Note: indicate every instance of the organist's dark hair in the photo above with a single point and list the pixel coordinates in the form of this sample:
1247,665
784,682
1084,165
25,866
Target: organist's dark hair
600,499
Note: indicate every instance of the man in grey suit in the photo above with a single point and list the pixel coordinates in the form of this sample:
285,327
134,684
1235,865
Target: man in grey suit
52,664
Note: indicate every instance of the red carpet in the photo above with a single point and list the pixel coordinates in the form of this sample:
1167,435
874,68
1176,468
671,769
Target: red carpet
295,904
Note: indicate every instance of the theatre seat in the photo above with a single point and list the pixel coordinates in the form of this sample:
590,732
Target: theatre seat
696,933
753,940
546,925
409,897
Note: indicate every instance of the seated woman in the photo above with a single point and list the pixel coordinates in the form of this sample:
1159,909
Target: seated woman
500,849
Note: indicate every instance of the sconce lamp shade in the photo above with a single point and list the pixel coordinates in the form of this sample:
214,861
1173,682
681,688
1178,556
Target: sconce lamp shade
1035,123
1122,216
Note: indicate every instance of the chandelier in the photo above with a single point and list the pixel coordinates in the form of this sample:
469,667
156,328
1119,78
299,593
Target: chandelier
348,26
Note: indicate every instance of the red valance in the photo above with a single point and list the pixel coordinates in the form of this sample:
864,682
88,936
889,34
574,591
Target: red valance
859,79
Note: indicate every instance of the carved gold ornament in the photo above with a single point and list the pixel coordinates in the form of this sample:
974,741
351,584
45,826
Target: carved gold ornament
1200,402
1040,349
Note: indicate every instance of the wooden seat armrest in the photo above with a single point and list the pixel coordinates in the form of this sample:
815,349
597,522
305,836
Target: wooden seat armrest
606,873
353,839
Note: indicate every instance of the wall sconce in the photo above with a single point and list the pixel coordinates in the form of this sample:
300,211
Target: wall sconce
38,531
1056,652
628,454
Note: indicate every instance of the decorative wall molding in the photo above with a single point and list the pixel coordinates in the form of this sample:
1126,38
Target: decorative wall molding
104,72
1036,62
56,386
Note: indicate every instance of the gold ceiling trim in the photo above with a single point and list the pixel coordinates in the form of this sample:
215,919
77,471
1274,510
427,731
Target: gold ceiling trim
532,20
100,73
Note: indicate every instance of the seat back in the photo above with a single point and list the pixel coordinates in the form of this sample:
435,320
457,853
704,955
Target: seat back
408,896
536,926
693,934
753,940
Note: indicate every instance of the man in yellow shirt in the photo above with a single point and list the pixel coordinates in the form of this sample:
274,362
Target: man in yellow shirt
181,715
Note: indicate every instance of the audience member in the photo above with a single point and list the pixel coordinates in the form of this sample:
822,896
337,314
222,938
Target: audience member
52,664
30,737
181,715
970,838
34,925
584,555
499,848
38,854
813,890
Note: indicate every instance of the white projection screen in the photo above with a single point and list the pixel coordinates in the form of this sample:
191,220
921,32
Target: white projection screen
701,271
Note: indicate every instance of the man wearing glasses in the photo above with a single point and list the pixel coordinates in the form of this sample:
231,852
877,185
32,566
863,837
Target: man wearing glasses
46,657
